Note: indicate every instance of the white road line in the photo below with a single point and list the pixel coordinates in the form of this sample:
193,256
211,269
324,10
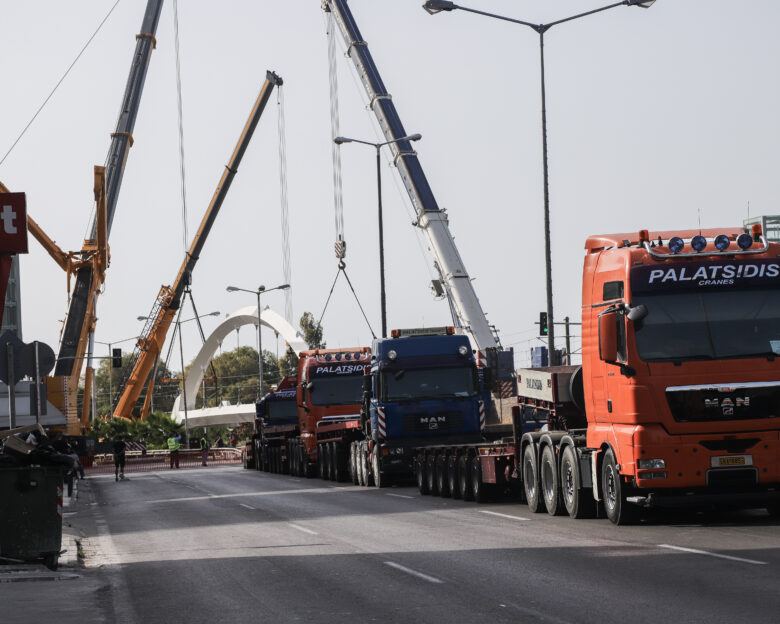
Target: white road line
247,506
425,577
711,554
500,515
300,528
398,495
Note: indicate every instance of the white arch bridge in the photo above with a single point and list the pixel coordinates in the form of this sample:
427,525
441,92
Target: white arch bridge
228,414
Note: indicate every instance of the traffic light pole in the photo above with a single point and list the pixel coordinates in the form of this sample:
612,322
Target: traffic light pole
544,331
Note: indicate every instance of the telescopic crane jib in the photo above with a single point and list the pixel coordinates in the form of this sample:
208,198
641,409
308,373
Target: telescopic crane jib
468,313
169,298
90,263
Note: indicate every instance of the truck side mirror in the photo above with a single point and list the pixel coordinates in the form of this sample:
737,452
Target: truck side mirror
367,386
637,313
607,336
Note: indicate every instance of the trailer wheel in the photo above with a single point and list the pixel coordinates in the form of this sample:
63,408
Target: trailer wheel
531,482
259,462
479,487
379,479
430,475
366,465
464,479
442,480
551,485
452,476
353,473
419,471
576,500
617,508
284,460
773,509
321,461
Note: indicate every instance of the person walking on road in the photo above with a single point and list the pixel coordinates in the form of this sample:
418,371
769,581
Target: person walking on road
204,449
173,446
119,447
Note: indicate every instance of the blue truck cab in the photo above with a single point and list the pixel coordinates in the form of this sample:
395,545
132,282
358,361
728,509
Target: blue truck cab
424,388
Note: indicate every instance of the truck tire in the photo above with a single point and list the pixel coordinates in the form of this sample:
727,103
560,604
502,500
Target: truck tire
260,464
442,481
618,509
284,460
480,489
773,509
531,481
579,502
327,464
422,482
464,479
292,458
353,472
339,463
380,480
430,475
452,476
550,482
321,461
369,478
359,464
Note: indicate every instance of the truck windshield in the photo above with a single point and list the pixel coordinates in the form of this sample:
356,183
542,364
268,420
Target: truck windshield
428,383
281,411
344,390
709,325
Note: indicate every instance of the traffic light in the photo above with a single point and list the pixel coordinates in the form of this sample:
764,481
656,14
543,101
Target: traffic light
116,358
542,323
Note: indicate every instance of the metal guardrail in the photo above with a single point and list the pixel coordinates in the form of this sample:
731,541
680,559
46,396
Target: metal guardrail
137,461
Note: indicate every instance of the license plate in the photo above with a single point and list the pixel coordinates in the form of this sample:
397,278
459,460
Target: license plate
725,461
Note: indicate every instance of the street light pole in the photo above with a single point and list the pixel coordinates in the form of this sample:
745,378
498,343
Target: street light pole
258,292
259,346
436,6
378,147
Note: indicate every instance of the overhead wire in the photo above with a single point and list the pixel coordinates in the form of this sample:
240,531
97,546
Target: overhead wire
59,82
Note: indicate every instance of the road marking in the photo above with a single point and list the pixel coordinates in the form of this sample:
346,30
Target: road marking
398,495
425,577
500,515
711,554
247,506
300,528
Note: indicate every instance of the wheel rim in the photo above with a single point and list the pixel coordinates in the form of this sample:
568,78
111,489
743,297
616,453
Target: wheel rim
568,481
529,478
611,488
548,478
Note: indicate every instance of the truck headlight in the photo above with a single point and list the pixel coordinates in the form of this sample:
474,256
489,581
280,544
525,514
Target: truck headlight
651,464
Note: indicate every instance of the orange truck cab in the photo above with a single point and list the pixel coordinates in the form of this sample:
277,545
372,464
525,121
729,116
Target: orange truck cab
681,368
329,392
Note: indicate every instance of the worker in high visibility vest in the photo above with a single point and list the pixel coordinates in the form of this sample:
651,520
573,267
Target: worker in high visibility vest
174,446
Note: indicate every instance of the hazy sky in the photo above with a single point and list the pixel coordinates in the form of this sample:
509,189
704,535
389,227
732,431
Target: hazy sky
656,118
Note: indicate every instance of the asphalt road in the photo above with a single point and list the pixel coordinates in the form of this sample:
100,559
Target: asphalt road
223,544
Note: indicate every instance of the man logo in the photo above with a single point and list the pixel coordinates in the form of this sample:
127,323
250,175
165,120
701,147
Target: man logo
433,421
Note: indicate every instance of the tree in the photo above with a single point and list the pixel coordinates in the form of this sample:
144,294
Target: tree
312,331
288,365
312,334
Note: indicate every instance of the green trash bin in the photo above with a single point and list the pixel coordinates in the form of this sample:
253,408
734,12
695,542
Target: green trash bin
31,513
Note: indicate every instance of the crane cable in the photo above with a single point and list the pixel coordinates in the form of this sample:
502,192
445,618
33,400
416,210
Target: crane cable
341,245
185,234
343,269
286,268
338,204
